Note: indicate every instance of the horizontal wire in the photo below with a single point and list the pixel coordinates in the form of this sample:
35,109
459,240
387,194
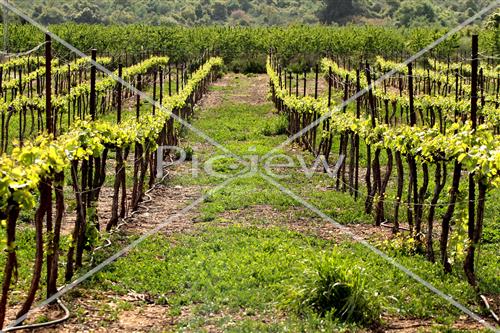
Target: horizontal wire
402,202
21,54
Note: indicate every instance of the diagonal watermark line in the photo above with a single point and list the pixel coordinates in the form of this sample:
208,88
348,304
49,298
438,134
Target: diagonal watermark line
103,69
213,142
381,254
124,250
362,92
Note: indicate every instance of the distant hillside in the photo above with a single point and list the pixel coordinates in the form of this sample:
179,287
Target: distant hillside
401,12
253,12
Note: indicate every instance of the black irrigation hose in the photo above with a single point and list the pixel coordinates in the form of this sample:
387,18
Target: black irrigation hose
125,220
387,224
40,325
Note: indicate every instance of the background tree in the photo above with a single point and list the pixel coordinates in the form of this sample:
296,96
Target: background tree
240,17
219,11
493,21
339,11
87,15
419,12
198,11
51,15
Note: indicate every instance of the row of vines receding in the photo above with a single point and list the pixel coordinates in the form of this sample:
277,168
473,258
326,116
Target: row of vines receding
418,144
67,128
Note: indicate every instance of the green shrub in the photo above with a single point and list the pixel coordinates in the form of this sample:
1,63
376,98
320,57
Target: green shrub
189,153
188,150
256,65
276,126
330,290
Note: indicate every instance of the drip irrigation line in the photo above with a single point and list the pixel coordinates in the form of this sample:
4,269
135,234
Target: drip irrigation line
338,80
387,224
402,202
124,221
481,57
67,313
377,72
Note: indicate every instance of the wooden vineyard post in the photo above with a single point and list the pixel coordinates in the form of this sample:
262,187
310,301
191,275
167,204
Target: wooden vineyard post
315,115
413,184
177,80
279,75
119,182
316,82
305,83
45,205
160,72
164,130
344,138
400,176
368,175
119,95
326,126
152,156
297,84
330,83
483,101
88,166
356,137
92,86
20,81
155,78
138,98
138,153
182,75
284,76
48,84
496,93
475,223
169,80
375,165
413,115
341,142
69,93
1,81
20,113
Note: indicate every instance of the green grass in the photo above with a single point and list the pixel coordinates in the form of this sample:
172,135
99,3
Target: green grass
257,270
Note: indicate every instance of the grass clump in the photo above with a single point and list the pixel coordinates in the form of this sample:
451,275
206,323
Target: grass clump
335,292
275,126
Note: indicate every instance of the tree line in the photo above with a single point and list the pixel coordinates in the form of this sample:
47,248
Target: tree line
407,13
